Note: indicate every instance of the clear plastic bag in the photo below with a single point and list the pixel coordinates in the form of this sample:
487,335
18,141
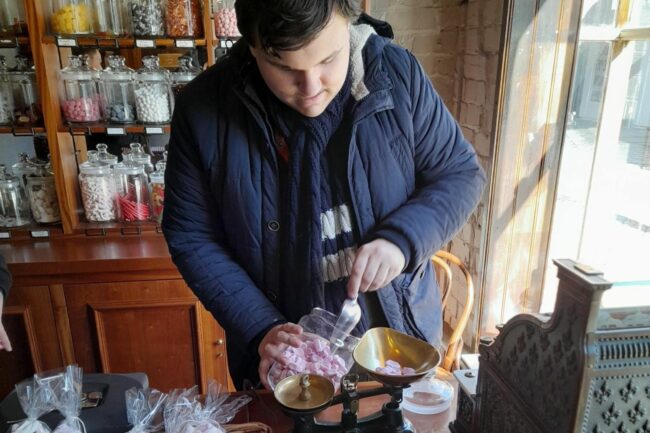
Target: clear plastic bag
184,412
35,401
65,391
144,409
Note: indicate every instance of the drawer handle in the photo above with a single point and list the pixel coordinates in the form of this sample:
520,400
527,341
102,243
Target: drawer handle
219,342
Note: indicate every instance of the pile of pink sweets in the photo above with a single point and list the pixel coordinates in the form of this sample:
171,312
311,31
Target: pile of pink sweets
131,210
393,368
313,357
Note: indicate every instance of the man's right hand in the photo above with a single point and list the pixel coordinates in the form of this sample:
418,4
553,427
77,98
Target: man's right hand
273,344
4,339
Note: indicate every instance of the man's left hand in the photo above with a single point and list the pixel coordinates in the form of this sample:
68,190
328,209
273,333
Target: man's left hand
376,264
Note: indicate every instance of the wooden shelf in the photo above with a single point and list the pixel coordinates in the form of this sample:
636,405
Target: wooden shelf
112,229
101,128
22,130
13,41
30,231
130,42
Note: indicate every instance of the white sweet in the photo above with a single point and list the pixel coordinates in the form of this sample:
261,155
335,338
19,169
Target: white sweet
98,197
6,111
152,103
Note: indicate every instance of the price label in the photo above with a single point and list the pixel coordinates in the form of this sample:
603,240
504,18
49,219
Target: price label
153,130
66,42
5,235
40,234
7,42
184,43
115,131
225,43
145,43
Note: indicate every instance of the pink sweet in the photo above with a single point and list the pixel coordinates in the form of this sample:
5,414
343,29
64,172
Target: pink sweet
393,368
81,110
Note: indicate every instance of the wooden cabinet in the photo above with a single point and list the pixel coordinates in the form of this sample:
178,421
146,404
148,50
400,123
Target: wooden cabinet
115,306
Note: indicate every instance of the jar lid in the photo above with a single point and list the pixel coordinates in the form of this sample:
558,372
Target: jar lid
138,154
158,176
186,71
130,167
7,179
104,156
151,71
93,165
77,71
117,69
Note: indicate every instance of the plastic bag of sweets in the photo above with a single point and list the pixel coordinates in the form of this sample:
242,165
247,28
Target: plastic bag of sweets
144,409
67,400
35,402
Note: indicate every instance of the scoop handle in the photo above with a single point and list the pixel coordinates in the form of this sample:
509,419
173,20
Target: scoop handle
347,320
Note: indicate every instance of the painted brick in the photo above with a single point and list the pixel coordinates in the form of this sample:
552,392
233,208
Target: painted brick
470,115
414,19
474,92
482,144
492,39
473,15
474,67
472,44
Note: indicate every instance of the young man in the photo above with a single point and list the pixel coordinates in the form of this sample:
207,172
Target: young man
315,162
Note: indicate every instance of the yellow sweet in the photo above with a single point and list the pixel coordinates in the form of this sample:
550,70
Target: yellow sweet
71,19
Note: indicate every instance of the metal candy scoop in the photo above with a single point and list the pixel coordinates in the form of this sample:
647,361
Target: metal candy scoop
347,320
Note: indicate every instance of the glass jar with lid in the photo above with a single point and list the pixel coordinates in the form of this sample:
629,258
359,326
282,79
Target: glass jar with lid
14,207
139,156
79,92
12,20
117,88
6,94
225,19
184,18
185,73
153,97
158,190
71,17
133,200
104,156
24,168
97,189
43,201
111,17
27,104
147,17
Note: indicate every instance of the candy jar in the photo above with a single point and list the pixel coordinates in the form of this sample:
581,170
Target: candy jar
97,189
147,17
27,105
41,191
111,18
225,19
153,98
158,190
80,95
12,20
104,156
71,17
184,19
117,82
185,73
24,168
139,156
14,207
133,199
6,94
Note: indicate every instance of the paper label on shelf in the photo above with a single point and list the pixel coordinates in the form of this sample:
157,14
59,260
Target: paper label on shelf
184,43
66,42
115,131
226,43
5,235
40,234
153,130
145,43
7,42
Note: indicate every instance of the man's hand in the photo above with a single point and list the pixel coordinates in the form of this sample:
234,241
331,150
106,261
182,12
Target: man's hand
273,344
376,264
4,339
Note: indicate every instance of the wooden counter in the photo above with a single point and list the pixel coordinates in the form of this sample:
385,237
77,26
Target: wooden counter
110,305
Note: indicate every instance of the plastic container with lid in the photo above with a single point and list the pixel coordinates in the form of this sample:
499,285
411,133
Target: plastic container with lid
12,18
133,200
104,156
428,396
153,97
147,17
111,17
79,93
184,18
225,19
158,190
117,84
43,201
185,73
139,156
71,17
14,206
27,105
6,94
97,189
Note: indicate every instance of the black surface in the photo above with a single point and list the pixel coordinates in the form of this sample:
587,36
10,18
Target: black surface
108,417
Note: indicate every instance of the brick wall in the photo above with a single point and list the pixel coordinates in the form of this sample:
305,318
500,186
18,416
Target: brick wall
458,43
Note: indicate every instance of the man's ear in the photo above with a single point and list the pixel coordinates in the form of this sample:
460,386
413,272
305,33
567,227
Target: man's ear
253,51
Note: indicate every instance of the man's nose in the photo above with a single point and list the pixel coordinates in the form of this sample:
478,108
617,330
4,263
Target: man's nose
309,83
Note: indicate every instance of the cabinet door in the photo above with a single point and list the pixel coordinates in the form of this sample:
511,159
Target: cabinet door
29,321
155,327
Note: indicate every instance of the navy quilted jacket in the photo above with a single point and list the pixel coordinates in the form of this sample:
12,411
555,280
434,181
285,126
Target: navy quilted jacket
413,178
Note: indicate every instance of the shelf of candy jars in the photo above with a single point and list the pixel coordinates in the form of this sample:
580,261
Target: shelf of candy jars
13,24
